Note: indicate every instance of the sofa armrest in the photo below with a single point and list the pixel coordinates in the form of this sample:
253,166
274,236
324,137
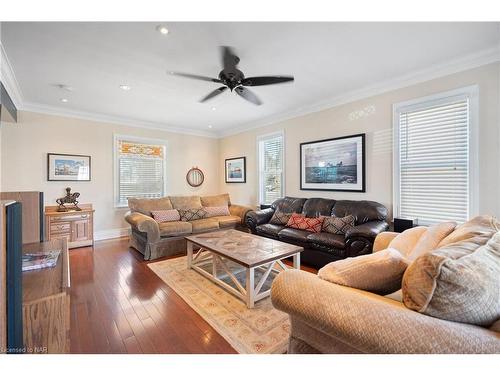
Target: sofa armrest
239,210
144,224
368,230
383,240
371,323
256,218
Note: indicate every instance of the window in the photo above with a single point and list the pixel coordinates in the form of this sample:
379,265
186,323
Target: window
271,167
433,159
139,169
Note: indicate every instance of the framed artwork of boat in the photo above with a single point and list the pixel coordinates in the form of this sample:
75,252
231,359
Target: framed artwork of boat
336,164
236,170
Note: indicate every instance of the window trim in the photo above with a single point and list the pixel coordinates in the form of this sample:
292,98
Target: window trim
470,92
150,141
261,138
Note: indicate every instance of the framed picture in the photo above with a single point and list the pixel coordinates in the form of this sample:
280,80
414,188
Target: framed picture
64,167
236,170
336,164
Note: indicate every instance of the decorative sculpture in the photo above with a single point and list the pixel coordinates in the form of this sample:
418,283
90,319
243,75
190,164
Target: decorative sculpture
70,198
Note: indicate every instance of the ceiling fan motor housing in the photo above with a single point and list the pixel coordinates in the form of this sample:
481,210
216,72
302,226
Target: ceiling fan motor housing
231,78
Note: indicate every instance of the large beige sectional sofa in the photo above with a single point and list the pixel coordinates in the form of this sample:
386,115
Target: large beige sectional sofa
330,318
155,240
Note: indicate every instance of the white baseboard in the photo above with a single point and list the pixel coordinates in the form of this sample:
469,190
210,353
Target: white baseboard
111,233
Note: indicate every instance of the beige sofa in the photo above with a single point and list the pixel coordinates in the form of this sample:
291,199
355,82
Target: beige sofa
331,318
155,240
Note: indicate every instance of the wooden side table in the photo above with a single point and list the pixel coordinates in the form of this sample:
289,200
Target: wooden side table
76,226
46,302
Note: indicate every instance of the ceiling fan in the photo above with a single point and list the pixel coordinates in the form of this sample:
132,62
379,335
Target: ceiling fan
233,79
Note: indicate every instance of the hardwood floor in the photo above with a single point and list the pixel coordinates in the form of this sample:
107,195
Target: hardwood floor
118,305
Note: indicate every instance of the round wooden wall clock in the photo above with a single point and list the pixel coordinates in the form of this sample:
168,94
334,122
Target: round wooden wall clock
195,177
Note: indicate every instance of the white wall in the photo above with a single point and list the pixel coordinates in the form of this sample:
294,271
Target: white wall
335,122
24,163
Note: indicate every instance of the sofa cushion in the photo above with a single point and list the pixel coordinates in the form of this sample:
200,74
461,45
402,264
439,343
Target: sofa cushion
315,207
479,228
186,202
327,239
175,228
227,221
217,211
380,272
458,282
363,211
164,216
216,200
337,225
405,242
310,224
431,238
291,234
146,205
289,204
192,214
204,225
269,229
280,218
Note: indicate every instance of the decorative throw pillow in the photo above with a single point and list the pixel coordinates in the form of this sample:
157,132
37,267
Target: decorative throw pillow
380,272
458,282
217,211
337,225
280,218
163,216
192,214
311,224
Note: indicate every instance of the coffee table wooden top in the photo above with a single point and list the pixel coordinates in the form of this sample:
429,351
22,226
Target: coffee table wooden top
246,249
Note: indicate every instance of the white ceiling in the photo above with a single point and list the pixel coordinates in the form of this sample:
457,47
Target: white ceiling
328,60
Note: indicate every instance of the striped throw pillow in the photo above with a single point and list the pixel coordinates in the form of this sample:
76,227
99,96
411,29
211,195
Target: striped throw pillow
163,216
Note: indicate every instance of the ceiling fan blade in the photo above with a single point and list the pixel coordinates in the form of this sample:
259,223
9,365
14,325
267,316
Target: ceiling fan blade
195,76
229,59
216,92
266,80
248,95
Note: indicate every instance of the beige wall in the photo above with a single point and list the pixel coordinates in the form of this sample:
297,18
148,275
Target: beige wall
24,161
335,122
24,147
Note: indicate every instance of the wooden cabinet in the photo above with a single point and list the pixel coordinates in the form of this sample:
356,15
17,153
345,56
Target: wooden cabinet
76,226
46,302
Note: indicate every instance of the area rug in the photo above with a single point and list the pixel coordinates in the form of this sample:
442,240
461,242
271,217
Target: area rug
262,329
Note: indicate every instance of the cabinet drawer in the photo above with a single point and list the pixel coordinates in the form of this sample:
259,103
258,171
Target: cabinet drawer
60,227
70,217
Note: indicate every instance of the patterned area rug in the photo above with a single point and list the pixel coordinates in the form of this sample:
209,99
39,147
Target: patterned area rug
262,329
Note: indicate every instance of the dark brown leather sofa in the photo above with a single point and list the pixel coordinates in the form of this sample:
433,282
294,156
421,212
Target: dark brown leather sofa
322,248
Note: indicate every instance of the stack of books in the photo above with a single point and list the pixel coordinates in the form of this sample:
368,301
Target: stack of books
35,261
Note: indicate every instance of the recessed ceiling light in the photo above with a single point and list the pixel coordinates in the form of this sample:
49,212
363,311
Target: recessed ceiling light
210,126
162,29
213,108
64,100
125,87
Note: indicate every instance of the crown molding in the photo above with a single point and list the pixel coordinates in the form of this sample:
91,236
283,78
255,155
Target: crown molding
471,61
109,119
9,80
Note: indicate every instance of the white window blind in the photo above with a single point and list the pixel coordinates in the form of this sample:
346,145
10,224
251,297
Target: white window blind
433,143
271,162
140,170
